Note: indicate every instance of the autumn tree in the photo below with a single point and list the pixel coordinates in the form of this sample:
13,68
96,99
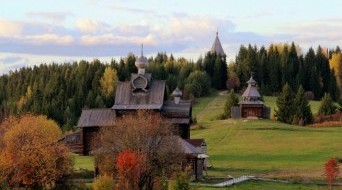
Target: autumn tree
108,83
146,139
331,171
336,64
130,165
30,154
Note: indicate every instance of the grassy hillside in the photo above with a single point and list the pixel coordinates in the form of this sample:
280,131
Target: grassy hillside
264,147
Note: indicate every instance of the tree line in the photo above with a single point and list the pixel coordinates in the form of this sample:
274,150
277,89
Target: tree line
279,64
61,91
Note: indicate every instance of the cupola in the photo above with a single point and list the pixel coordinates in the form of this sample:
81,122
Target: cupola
141,62
177,94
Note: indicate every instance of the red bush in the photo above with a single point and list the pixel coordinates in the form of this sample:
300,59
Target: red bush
130,167
331,171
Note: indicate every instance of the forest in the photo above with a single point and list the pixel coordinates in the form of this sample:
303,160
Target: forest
62,90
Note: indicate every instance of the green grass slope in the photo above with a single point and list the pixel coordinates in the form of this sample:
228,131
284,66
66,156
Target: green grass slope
264,148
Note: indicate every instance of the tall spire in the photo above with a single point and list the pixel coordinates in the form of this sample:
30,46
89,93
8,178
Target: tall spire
217,47
142,49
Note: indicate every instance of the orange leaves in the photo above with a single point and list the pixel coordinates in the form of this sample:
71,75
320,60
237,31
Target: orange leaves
130,166
331,171
143,149
128,162
30,154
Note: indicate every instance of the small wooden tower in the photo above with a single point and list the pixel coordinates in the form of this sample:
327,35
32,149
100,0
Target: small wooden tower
251,105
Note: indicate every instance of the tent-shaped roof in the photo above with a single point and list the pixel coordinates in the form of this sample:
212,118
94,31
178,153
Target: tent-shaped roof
217,47
251,90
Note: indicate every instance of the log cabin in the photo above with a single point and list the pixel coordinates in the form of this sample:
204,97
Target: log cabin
142,92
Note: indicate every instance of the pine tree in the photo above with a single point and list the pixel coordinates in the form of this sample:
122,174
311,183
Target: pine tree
231,101
285,105
333,90
303,114
275,75
327,106
219,78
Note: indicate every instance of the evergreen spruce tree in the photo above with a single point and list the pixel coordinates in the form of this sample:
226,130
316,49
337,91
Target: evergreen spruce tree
327,106
231,101
219,78
333,90
303,114
285,105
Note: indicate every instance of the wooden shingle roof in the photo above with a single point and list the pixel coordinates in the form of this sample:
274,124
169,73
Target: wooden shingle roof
97,117
126,99
180,110
188,148
217,47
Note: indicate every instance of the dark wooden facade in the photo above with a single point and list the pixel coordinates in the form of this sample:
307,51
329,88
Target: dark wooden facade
89,135
141,93
251,105
252,110
74,142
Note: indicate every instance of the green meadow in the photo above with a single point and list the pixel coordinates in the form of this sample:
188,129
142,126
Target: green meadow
264,148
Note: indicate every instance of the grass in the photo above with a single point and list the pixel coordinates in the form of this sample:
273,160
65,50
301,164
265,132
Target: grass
265,148
262,185
83,162
83,166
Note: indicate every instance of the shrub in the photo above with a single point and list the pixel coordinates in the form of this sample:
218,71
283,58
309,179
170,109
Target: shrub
103,183
331,171
327,106
231,101
180,181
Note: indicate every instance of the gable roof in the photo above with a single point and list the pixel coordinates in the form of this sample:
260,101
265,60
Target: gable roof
187,148
217,47
97,117
125,99
196,142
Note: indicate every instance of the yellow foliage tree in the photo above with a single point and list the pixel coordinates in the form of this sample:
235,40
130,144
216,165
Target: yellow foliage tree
336,63
30,155
109,81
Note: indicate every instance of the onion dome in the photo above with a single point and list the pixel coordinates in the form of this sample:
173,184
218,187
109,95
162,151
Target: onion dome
177,92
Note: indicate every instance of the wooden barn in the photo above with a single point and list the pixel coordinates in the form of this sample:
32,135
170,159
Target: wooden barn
142,92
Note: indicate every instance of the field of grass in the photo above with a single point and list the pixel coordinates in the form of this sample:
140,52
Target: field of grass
261,185
265,148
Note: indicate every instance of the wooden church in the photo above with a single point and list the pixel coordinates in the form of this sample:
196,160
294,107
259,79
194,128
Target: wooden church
142,92
251,106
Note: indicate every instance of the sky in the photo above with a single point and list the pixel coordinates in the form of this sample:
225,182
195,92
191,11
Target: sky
46,31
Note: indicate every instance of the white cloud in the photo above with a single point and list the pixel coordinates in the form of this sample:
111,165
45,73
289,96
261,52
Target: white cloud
91,40
10,28
91,26
11,62
49,38
56,17
320,32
